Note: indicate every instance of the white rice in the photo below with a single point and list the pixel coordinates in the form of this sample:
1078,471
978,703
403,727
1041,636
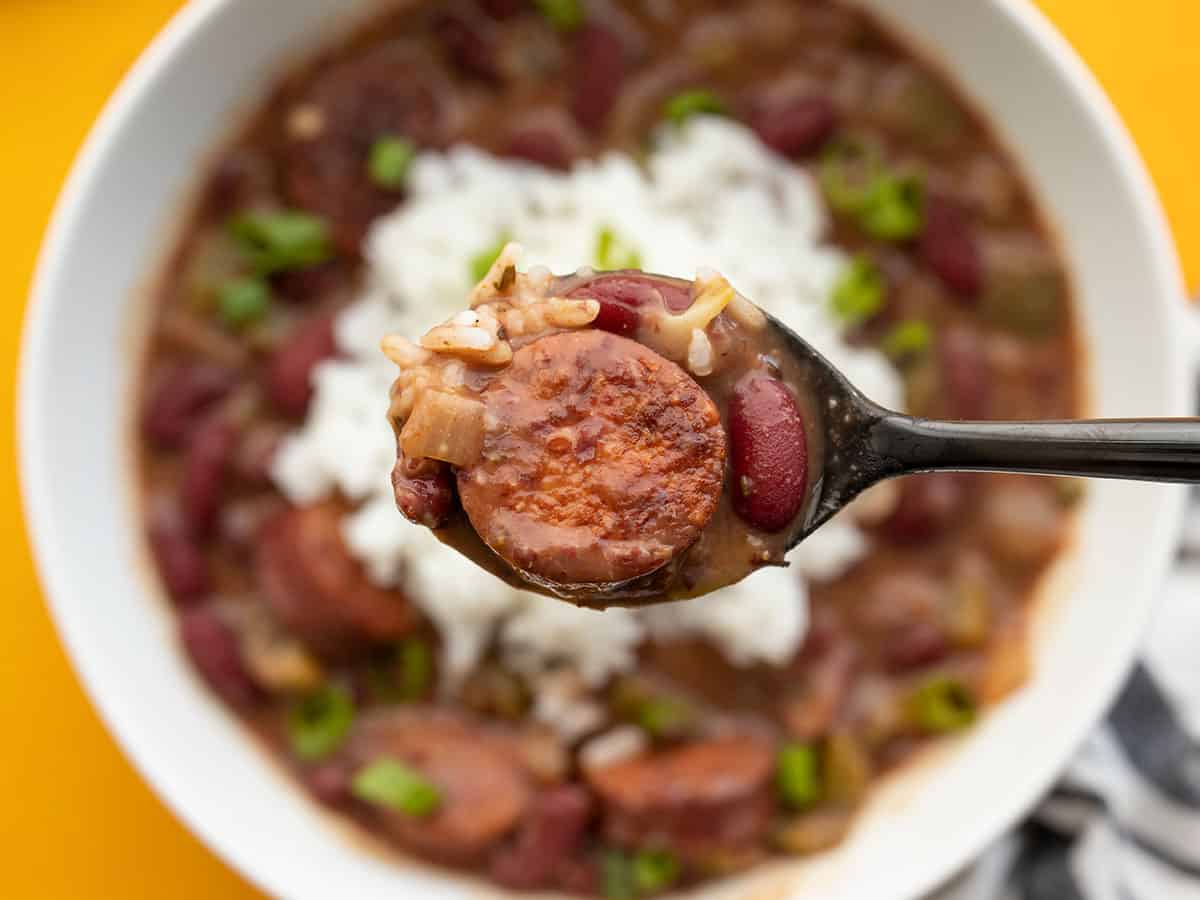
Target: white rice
709,196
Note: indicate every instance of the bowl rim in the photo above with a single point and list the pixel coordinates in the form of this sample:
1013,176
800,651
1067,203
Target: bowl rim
34,477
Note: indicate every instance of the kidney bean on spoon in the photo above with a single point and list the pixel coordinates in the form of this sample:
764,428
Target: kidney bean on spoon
768,452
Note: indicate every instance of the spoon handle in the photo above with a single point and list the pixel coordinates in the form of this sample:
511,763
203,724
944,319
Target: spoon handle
1141,449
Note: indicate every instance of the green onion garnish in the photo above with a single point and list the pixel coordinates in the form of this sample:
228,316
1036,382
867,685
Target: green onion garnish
797,775
685,105
416,669
654,871
565,15
910,339
275,241
614,253
666,717
849,171
616,875
481,262
390,783
942,704
389,161
242,301
859,293
318,723
895,210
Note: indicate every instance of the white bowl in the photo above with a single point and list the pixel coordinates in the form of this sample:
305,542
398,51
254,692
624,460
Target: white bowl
81,354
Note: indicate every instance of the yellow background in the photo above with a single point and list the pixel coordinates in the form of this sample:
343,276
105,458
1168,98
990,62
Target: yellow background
75,820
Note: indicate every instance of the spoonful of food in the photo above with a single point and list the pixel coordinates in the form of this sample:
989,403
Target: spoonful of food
621,438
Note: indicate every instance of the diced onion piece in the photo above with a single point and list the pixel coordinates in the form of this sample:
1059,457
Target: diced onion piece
615,746
700,353
674,334
444,426
403,352
746,313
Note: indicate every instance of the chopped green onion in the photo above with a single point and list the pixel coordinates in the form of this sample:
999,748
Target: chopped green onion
565,15
616,875
389,161
416,669
614,253
275,241
654,871
859,292
319,722
481,262
910,339
942,704
389,782
895,210
849,173
666,717
685,105
797,775
243,301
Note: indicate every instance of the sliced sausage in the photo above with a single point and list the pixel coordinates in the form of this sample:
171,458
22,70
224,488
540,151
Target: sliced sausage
484,791
704,797
318,591
605,461
290,370
391,91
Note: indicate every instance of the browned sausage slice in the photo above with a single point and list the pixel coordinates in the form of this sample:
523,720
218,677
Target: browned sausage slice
318,591
605,461
484,791
700,798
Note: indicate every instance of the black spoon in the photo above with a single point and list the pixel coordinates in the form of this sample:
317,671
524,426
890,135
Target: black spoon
866,443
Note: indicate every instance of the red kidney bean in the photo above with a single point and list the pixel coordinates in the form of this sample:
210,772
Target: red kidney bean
600,72
949,248
915,645
549,835
768,453
213,648
180,559
289,371
424,491
797,126
204,473
180,397
929,504
621,295
966,380
468,39
541,145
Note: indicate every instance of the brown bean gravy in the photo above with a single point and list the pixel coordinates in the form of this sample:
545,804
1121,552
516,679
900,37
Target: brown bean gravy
694,767
588,462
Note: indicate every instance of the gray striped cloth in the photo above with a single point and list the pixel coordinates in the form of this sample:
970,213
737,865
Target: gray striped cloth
1124,821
